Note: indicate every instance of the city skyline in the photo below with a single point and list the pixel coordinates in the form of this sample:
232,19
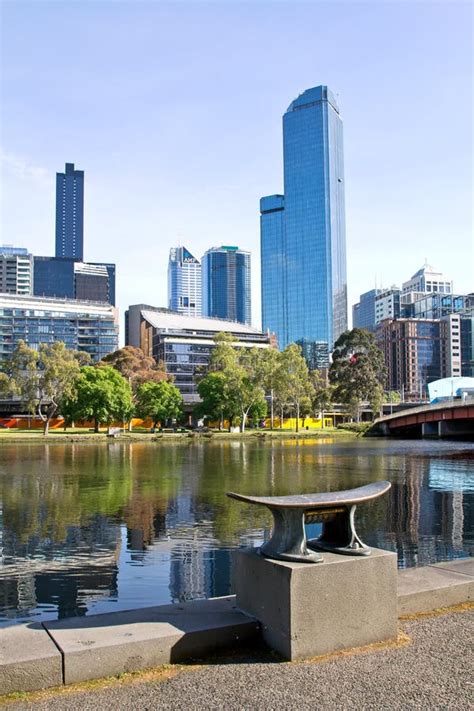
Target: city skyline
200,142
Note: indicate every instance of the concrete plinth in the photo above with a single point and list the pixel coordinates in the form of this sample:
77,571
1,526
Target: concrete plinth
306,610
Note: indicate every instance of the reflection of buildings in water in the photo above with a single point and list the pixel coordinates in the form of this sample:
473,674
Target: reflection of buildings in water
430,518
67,576
454,487
197,572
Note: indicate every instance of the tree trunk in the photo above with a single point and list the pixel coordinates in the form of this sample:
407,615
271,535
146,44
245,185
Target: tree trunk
96,425
281,417
297,417
46,426
271,410
242,421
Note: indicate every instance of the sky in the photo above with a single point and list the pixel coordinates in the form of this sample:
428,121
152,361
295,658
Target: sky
173,110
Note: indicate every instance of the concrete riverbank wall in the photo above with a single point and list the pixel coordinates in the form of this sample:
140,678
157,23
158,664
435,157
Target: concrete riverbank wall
40,655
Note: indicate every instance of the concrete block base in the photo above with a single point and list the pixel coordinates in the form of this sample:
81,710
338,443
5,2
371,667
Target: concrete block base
306,610
29,659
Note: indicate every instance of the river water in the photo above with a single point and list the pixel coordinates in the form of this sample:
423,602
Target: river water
88,528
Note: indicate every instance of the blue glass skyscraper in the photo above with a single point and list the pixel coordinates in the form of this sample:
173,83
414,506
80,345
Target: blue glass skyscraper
303,242
70,213
226,284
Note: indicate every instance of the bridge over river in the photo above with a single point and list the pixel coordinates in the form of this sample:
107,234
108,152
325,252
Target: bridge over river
453,419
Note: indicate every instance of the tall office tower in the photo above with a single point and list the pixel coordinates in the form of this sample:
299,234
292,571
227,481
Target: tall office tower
226,284
70,213
303,241
16,270
184,282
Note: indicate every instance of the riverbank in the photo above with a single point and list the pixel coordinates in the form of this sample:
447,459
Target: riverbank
87,436
40,655
427,667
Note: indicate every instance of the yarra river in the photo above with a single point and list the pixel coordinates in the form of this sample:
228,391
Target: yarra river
88,528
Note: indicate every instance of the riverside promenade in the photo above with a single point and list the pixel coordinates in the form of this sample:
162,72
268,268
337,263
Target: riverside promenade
220,660
428,667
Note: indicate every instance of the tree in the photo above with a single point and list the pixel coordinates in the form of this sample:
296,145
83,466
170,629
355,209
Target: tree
215,402
271,374
322,393
135,366
358,370
296,377
103,395
242,381
160,401
44,379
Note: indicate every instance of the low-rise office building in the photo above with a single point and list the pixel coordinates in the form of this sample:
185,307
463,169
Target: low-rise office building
185,343
83,326
418,351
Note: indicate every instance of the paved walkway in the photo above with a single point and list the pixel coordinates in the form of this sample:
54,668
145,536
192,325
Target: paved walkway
434,671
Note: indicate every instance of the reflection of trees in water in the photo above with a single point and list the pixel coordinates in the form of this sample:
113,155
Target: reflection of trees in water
67,502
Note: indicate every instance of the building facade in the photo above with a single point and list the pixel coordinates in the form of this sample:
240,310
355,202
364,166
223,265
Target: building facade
16,270
184,282
70,213
184,344
303,239
226,284
363,313
67,278
415,355
82,326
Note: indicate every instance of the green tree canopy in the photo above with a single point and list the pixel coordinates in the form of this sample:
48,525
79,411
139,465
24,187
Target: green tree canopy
358,370
216,402
103,395
44,379
242,381
159,401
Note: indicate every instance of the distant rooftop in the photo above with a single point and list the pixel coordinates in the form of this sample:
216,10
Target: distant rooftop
425,269
312,96
176,322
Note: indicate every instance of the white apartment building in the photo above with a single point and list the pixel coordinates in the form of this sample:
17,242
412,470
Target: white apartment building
16,270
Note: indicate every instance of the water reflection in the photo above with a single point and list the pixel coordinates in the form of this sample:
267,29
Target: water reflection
86,528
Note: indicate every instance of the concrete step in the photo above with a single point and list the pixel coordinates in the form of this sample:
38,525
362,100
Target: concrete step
29,659
433,586
117,642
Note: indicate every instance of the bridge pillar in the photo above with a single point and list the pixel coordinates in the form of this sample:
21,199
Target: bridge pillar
456,428
430,430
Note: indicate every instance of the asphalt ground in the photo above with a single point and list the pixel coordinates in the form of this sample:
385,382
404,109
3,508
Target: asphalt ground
431,667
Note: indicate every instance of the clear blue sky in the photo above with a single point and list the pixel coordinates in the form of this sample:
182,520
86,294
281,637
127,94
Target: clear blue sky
173,110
